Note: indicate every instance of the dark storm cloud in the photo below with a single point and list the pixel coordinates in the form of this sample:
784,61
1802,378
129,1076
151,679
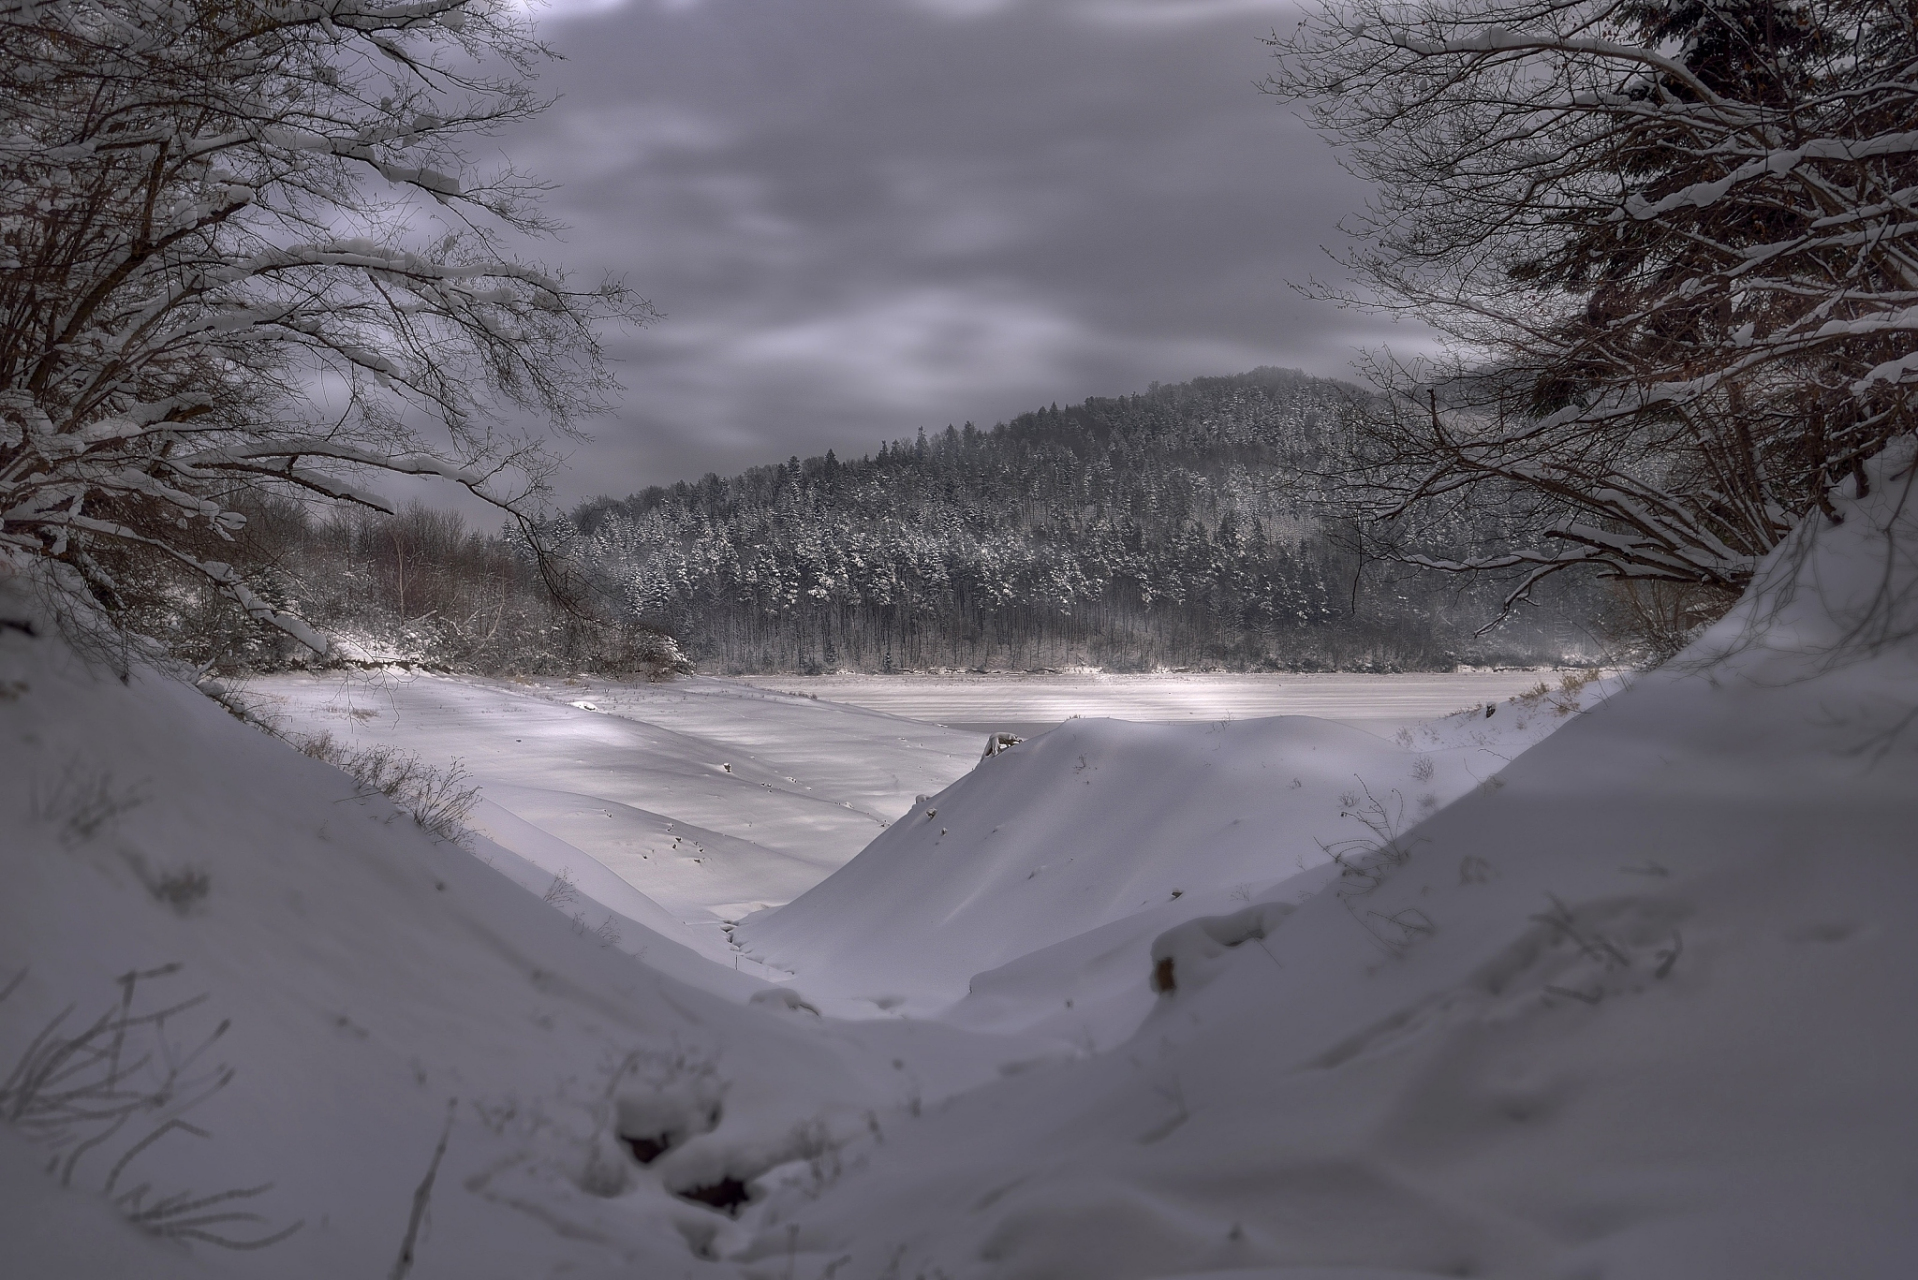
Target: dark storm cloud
866,216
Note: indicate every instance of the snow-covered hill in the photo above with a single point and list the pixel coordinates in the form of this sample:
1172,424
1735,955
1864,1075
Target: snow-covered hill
1102,821
373,988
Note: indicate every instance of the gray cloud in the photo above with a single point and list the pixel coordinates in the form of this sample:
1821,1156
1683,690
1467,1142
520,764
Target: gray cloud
866,216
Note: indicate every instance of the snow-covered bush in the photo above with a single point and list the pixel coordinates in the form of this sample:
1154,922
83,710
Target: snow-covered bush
113,1087
437,798
418,587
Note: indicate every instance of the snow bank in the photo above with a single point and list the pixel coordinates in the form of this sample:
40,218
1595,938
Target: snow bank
369,985
1635,1005
1639,1007
1100,821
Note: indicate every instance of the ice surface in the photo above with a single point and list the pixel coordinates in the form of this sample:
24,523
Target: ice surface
711,798
1380,703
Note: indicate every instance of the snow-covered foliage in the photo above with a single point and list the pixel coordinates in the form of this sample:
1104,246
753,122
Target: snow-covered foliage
212,284
419,587
1673,246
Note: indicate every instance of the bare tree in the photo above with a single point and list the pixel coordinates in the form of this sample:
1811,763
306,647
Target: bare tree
1671,245
243,251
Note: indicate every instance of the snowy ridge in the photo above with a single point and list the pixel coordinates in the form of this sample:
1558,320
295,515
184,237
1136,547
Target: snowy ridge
1099,820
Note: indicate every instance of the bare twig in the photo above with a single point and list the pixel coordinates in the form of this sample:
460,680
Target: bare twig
422,1197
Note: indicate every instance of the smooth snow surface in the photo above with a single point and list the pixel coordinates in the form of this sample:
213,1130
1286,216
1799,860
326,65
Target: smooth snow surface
1101,821
1632,1006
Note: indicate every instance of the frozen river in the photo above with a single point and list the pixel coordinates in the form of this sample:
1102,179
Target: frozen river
716,797
1031,703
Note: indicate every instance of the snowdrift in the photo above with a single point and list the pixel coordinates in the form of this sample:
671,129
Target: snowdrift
298,1003
1108,832
1638,1008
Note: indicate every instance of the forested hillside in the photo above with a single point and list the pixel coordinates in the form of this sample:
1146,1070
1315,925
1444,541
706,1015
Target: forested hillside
1187,527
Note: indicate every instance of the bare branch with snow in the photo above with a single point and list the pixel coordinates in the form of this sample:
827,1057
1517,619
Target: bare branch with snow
1672,249
243,251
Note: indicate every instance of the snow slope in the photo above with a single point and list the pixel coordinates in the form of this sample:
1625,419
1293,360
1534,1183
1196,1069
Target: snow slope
372,981
1637,1009
1099,820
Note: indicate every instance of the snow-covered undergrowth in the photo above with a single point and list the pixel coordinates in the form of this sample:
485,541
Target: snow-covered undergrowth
1633,1006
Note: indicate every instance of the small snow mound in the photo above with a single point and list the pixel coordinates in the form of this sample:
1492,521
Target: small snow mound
782,998
1181,955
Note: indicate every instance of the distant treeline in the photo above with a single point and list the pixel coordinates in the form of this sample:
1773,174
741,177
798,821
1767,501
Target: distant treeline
417,587
1187,527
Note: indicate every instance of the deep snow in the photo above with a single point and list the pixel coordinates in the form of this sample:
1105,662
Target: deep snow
1637,1008
1634,1004
374,976
1108,833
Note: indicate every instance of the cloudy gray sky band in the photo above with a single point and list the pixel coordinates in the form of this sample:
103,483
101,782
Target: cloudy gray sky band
861,217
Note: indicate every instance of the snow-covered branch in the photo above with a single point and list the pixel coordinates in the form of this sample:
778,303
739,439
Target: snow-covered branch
1673,249
210,290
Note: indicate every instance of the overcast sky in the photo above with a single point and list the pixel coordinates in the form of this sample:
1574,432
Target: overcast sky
863,217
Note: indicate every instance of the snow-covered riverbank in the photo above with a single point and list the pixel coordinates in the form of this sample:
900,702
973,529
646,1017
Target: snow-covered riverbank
1632,1004
718,798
